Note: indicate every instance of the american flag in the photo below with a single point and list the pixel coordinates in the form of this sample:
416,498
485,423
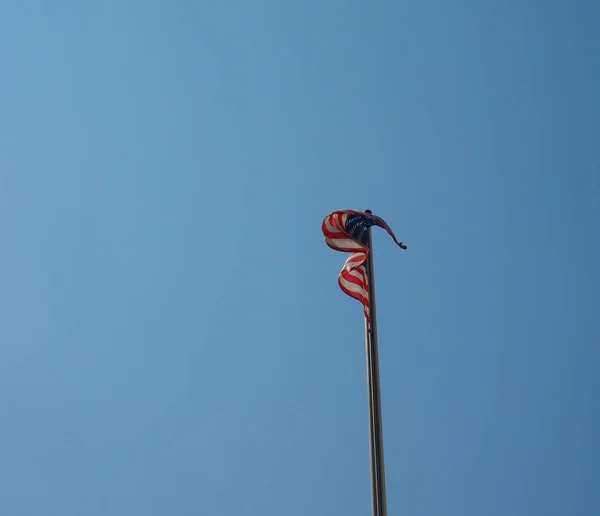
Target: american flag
348,230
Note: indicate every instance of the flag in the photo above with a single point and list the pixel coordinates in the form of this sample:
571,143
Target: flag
348,230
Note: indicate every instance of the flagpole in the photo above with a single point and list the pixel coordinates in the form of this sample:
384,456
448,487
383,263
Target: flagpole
378,495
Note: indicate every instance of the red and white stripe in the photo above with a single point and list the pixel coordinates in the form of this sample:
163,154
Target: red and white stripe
353,279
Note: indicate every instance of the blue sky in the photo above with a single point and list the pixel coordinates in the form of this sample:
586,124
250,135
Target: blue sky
173,339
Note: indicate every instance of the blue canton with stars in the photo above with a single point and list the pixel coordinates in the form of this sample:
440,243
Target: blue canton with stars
358,226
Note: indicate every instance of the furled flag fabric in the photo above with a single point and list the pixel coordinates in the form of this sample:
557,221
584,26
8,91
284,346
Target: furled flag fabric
348,230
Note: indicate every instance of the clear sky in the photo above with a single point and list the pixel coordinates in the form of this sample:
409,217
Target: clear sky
173,339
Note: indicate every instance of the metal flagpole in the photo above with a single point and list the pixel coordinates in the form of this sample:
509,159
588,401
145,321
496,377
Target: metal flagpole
378,496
